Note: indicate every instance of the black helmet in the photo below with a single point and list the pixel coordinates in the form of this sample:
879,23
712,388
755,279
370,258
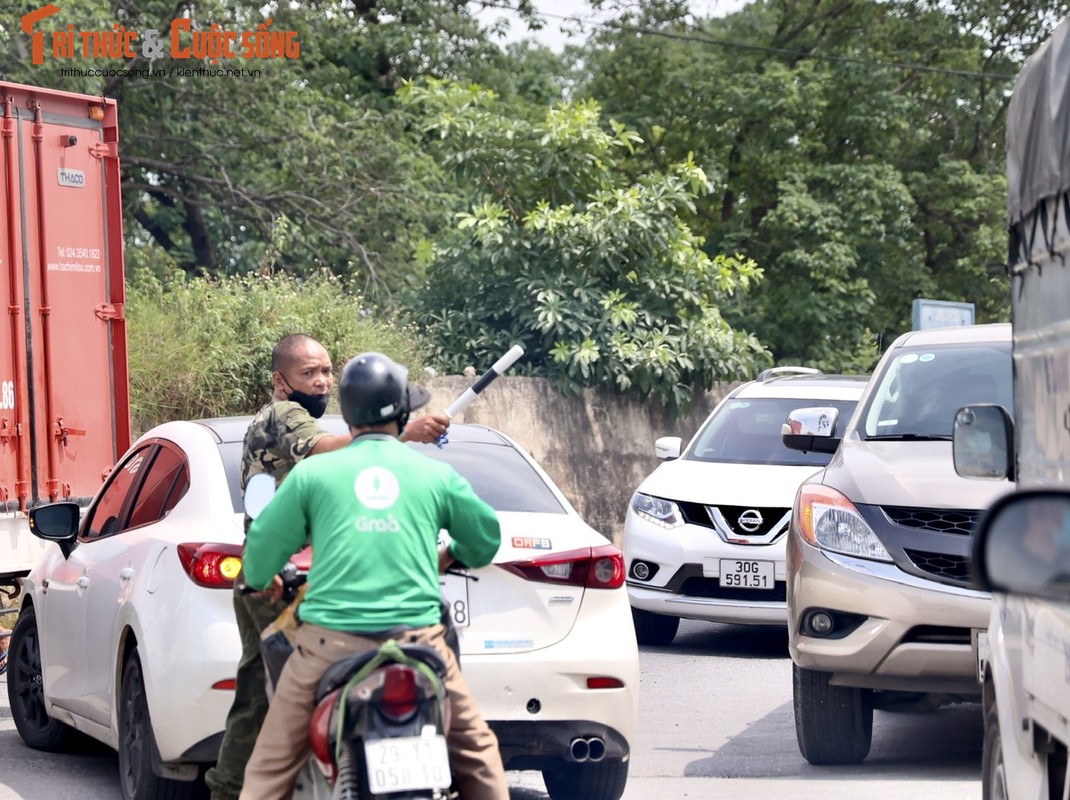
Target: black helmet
374,389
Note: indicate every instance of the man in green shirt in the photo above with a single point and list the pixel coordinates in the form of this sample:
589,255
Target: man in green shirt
280,435
373,512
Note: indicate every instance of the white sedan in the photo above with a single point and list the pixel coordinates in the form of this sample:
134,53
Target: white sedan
124,632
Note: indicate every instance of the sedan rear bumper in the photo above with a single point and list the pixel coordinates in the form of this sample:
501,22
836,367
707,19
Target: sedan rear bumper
541,745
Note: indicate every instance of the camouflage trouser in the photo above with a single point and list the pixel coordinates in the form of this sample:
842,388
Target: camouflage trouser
250,698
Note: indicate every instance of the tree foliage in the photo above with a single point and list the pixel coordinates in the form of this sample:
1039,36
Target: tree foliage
854,149
857,149
210,164
593,272
202,346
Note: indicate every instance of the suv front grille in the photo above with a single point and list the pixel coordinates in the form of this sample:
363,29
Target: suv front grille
734,517
939,520
942,565
695,514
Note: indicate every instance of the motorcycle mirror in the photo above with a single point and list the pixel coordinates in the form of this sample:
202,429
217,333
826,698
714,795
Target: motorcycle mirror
258,493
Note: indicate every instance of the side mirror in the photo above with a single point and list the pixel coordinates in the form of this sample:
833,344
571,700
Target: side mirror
667,447
812,429
55,522
1022,545
258,493
983,442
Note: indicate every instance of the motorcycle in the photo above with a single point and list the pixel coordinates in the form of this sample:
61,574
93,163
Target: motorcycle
380,720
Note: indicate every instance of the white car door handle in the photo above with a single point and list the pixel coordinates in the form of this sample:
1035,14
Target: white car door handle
126,573
82,582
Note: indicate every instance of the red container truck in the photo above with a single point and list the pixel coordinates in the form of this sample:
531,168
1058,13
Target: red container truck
64,388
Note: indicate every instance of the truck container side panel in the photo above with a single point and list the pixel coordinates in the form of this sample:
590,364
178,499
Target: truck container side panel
14,402
62,215
71,345
28,228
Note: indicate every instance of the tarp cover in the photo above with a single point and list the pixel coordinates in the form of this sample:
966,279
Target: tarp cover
1038,127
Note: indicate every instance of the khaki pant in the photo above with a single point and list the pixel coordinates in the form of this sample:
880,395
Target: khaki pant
282,747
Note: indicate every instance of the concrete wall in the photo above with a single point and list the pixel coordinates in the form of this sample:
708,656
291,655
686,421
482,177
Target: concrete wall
597,446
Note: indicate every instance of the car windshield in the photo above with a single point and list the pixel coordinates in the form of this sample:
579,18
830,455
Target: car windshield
498,474
921,388
748,431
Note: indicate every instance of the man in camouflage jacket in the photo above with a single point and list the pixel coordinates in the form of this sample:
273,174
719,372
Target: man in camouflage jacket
280,434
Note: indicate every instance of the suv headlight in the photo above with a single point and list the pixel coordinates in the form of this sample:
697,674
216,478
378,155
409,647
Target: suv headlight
826,518
661,512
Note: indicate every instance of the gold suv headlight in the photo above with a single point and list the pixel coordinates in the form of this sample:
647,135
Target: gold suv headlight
826,518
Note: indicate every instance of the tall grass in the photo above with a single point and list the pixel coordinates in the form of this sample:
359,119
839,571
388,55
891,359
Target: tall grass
201,347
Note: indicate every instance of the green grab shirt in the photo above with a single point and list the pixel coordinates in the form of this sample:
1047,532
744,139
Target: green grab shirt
372,511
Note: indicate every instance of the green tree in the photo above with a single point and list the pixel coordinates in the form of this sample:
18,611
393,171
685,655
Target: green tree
210,164
593,272
201,347
856,149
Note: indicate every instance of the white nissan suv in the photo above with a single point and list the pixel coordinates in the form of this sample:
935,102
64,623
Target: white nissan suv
704,534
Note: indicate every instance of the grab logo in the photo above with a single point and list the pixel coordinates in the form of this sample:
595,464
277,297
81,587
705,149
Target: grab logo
376,488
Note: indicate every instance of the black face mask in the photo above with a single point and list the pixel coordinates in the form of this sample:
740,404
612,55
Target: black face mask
314,404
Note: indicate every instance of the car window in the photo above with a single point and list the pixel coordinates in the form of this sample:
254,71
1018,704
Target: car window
921,388
499,475
107,516
165,483
748,431
230,452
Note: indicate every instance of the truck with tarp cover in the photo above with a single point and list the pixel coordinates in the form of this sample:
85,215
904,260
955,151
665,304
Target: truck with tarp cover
1024,657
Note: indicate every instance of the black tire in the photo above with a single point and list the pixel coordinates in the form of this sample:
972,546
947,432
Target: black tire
833,724
25,689
600,780
993,769
137,745
654,629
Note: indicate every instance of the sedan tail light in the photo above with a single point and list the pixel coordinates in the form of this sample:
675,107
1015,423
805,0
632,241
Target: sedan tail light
211,564
594,567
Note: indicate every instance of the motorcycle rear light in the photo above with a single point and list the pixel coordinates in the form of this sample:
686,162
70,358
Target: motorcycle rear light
399,698
211,564
319,733
603,682
225,684
594,567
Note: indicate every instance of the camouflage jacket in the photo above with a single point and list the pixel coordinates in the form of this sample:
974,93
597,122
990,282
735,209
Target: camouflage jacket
280,435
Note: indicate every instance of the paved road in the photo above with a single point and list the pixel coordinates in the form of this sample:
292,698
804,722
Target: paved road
715,722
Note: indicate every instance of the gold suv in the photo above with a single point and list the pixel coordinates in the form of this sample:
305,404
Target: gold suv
880,610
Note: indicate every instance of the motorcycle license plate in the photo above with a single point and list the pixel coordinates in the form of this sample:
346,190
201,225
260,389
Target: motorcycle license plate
455,591
407,763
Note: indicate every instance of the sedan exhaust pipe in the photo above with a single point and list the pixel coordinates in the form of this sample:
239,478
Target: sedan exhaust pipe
596,748
592,748
579,749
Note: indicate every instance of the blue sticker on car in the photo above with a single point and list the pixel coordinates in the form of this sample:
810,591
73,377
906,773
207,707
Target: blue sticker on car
507,644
